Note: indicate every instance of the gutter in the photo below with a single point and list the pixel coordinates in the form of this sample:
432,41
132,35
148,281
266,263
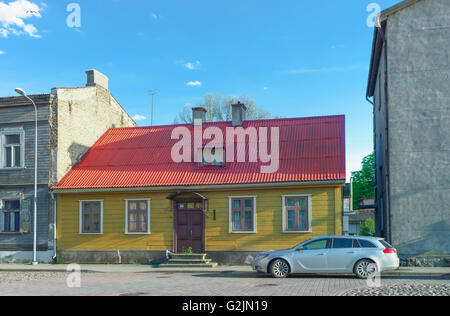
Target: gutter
52,194
204,187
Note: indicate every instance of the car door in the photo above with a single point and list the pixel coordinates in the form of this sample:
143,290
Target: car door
341,255
312,257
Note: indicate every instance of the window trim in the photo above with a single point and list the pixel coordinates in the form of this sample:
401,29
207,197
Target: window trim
81,217
284,215
12,131
12,219
148,217
230,215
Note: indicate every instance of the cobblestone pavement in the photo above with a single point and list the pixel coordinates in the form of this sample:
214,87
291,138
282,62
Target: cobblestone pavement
10,277
427,289
217,284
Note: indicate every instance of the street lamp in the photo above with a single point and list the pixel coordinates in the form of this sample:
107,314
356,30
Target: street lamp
22,93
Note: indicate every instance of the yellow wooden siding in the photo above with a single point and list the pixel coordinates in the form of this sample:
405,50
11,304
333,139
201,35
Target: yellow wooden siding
326,220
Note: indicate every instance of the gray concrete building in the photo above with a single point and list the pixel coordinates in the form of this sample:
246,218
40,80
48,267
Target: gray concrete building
70,120
409,86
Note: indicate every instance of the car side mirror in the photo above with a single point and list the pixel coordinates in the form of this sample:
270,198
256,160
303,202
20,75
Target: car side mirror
300,249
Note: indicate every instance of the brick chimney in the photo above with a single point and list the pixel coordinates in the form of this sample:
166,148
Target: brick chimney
95,77
198,113
238,114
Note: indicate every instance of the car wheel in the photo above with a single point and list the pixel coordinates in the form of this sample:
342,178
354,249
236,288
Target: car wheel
279,269
365,269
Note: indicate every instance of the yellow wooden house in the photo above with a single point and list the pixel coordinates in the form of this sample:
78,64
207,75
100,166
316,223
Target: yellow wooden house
129,199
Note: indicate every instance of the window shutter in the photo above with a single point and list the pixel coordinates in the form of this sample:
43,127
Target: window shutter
25,216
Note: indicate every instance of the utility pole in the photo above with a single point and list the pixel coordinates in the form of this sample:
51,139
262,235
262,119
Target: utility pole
153,93
22,93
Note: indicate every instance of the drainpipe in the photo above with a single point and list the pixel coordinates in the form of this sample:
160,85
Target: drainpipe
54,226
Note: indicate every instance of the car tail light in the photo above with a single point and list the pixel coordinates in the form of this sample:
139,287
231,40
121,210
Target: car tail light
390,250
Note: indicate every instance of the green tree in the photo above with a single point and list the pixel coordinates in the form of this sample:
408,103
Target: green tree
219,109
368,228
364,181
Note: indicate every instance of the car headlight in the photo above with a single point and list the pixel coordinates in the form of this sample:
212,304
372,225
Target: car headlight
260,257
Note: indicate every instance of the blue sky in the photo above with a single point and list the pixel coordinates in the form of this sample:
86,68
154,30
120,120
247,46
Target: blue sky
294,57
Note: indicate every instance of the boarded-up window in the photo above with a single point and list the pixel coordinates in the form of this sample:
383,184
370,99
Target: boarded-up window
25,216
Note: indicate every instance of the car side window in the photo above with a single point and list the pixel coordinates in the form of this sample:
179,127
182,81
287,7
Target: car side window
316,244
340,243
356,243
366,244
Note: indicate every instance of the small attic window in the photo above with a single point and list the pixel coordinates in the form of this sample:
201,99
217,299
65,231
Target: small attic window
212,157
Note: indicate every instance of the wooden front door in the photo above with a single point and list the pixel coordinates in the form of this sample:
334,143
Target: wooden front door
190,227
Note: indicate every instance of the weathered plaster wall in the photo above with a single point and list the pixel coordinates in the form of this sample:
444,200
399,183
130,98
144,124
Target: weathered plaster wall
84,114
419,129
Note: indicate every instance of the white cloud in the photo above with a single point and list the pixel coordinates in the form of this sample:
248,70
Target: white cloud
194,83
154,16
2,52
13,14
139,117
192,66
188,105
266,88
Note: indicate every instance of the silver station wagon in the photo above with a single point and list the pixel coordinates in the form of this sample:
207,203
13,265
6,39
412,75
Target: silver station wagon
363,256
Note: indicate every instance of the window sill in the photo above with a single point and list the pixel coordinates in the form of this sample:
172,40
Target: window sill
13,169
12,233
89,234
297,231
147,233
243,232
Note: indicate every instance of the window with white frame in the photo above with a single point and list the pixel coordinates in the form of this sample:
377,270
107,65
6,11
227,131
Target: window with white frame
296,213
91,217
12,148
10,216
242,214
137,219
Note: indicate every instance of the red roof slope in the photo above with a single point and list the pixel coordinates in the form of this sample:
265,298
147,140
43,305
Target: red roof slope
311,149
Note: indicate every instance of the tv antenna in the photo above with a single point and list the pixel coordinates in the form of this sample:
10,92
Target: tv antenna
152,93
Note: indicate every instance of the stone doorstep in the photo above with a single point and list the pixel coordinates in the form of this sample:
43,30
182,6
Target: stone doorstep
190,260
187,265
187,256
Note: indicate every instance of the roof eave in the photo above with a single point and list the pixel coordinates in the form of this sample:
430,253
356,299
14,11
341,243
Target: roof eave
377,45
57,190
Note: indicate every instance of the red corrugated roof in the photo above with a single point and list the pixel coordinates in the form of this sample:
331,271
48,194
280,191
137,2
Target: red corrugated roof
311,149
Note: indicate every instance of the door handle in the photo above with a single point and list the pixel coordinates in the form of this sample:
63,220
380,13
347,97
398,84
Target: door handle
321,254
351,252
191,232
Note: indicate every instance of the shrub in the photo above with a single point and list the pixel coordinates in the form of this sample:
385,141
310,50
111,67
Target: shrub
368,228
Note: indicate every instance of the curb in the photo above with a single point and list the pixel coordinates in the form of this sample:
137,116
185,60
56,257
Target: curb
216,271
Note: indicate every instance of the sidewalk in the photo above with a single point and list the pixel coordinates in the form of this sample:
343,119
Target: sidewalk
132,268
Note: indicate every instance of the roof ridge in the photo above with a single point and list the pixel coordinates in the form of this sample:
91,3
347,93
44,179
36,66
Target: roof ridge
229,122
